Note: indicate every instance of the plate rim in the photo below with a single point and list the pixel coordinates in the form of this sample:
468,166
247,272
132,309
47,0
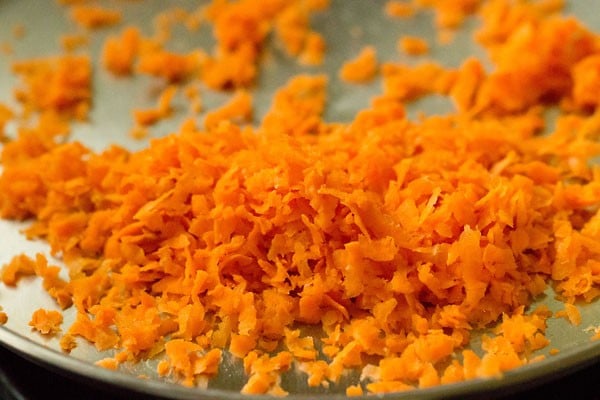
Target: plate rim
516,380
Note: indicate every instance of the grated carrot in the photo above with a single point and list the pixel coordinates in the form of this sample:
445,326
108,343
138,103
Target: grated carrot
6,115
73,42
194,98
147,117
108,363
61,84
412,45
314,49
570,313
119,53
173,67
19,266
94,17
46,322
3,316
237,109
451,14
361,69
399,9
392,239
293,30
354,390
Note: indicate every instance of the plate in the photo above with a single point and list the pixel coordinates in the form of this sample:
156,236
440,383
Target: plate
349,24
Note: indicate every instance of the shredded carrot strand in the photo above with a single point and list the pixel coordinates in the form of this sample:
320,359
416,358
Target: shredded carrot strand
396,238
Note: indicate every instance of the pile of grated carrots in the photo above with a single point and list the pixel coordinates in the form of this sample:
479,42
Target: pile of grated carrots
397,238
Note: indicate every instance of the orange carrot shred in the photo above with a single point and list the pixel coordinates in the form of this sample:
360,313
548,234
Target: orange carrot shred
362,69
46,322
397,238
119,53
413,45
3,317
571,313
93,17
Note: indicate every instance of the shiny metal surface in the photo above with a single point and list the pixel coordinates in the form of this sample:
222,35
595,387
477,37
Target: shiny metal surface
347,26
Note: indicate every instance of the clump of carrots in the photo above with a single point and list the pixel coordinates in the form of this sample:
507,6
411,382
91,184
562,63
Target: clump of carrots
397,238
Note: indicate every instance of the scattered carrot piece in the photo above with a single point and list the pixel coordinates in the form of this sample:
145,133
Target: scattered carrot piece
237,109
94,17
46,322
412,45
173,67
71,43
61,84
3,317
108,363
120,53
399,9
67,343
19,266
163,109
361,69
570,313
354,390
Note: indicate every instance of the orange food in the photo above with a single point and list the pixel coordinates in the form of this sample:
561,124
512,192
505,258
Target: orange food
306,96
314,49
396,238
18,267
571,313
163,109
293,30
354,390
108,363
67,343
451,14
237,109
586,77
93,17
361,69
6,114
194,97
406,83
399,9
139,132
173,67
241,28
3,317
120,53
58,84
73,42
166,20
46,322
413,45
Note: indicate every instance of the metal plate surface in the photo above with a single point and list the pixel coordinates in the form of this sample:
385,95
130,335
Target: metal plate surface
347,27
